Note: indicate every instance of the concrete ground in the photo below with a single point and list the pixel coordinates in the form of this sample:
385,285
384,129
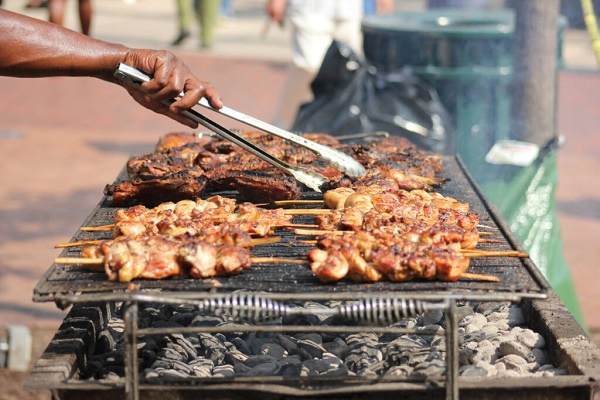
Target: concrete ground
63,139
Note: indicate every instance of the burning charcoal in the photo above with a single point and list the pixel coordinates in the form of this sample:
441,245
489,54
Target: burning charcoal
212,347
476,321
264,369
498,316
162,363
426,370
205,320
171,373
300,320
433,317
234,356
516,316
112,373
466,356
337,346
314,337
487,308
490,330
224,371
172,354
541,356
516,348
363,351
463,311
241,368
253,361
201,367
186,345
530,338
291,370
314,350
184,355
241,345
478,370
486,352
287,342
400,370
147,356
150,373
256,344
341,370
182,367
183,319
105,342
274,350
513,362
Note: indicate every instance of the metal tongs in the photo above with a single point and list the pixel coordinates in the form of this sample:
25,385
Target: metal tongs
312,179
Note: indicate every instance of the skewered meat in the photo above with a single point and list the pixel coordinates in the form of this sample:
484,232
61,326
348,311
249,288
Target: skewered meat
368,257
160,257
217,220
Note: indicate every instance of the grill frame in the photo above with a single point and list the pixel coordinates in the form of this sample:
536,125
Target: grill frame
520,278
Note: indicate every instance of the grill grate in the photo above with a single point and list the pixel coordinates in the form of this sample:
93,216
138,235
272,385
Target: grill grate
518,277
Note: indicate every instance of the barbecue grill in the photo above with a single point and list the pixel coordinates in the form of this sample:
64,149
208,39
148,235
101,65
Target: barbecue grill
265,292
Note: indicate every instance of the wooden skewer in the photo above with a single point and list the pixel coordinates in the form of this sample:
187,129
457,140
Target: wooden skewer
308,211
490,241
307,226
75,244
486,226
486,233
97,228
251,243
280,203
485,253
98,261
480,277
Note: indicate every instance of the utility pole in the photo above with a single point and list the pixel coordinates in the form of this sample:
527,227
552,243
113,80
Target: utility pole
534,70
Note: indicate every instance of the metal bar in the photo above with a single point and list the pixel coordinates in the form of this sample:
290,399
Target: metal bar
131,365
451,352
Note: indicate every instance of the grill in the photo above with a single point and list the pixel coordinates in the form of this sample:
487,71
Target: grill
518,277
265,291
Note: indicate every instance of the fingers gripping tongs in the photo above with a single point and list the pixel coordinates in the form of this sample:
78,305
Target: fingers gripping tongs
310,178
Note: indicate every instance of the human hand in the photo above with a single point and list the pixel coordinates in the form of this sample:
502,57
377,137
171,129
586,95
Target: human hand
170,77
276,10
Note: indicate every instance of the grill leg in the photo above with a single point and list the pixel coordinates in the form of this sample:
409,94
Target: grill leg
451,352
131,364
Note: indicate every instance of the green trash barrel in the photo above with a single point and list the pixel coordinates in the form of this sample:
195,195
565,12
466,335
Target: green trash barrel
466,55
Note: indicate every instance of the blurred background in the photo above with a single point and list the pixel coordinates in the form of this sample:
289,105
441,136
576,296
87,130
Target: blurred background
63,139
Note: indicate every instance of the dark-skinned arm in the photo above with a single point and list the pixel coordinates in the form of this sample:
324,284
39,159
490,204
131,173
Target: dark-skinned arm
35,48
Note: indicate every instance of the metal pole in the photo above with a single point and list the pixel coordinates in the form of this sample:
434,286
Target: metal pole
451,327
534,63
131,367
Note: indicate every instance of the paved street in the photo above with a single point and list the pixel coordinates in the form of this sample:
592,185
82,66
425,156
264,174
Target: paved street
63,139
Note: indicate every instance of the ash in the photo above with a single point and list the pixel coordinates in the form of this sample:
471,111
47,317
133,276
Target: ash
494,341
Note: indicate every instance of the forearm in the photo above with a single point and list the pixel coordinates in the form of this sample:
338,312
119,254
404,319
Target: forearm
35,48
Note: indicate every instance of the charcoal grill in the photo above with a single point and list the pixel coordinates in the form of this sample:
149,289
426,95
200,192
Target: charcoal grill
263,292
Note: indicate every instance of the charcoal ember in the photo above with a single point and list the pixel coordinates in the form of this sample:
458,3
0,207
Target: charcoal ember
478,371
327,365
241,369
184,355
274,350
105,342
287,342
150,373
473,337
291,367
310,347
433,317
224,371
263,369
430,369
473,322
542,356
202,367
490,330
516,348
166,324
315,337
512,362
234,356
162,363
205,320
466,356
212,347
172,354
172,373
241,345
363,351
255,360
182,367
337,346
309,319
183,319
439,343
516,316
113,372
256,344
463,311
401,350
147,356
185,344
400,370
529,338
489,307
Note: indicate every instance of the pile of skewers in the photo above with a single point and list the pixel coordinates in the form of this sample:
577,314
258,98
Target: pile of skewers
381,226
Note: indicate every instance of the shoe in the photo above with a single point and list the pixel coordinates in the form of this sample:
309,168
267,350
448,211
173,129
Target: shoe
182,36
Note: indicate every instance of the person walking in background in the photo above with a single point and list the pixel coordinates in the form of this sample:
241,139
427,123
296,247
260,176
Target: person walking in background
206,13
56,9
315,24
